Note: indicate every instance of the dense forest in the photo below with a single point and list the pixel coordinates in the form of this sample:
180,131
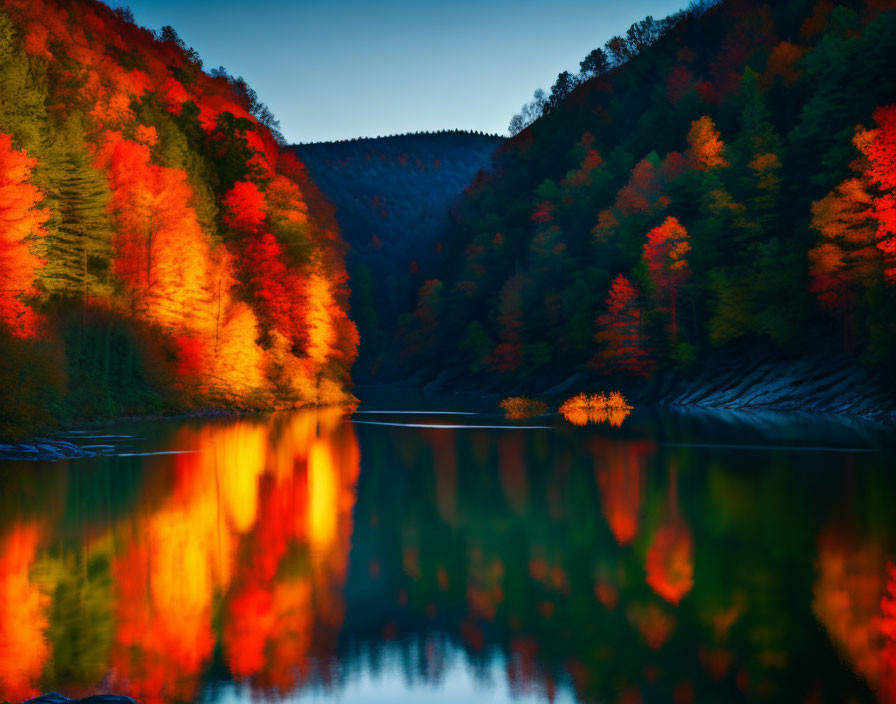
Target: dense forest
720,180
159,249
393,197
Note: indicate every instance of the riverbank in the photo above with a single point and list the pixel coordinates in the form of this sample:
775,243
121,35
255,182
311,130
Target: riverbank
62,443
750,380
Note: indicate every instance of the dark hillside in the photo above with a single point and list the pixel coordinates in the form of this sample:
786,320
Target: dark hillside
729,181
393,196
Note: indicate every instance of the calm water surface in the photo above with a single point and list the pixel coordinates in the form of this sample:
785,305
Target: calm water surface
388,556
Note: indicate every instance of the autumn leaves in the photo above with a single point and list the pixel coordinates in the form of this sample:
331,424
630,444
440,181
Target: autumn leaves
856,256
142,199
21,219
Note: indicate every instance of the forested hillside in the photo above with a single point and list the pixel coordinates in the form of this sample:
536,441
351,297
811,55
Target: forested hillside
159,250
393,197
726,177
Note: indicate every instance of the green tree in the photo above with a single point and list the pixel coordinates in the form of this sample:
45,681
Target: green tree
23,92
596,63
78,245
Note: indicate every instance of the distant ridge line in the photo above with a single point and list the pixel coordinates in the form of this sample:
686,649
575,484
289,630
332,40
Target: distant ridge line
424,133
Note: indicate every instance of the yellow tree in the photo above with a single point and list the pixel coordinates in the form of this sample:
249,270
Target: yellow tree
707,150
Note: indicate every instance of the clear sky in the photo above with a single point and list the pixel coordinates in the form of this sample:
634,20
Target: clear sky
337,69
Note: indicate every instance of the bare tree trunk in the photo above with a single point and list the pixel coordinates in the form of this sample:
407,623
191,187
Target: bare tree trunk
218,319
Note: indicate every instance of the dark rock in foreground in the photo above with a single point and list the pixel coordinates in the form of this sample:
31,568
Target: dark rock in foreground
56,698
43,450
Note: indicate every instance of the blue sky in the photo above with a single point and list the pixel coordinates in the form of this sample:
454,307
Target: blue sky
339,69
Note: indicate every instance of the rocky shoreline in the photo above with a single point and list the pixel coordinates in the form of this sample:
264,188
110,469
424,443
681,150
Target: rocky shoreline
53,448
44,450
832,386
752,380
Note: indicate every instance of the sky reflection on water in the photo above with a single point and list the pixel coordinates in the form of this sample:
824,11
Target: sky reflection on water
397,680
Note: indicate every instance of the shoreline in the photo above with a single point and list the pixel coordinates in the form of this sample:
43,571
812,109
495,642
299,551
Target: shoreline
47,446
750,380
827,388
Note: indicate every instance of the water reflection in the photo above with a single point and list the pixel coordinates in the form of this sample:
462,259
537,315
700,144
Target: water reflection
242,545
305,556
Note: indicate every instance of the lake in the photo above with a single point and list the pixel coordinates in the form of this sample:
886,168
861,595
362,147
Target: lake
425,550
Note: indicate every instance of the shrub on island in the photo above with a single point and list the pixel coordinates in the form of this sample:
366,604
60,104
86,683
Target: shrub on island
518,407
582,409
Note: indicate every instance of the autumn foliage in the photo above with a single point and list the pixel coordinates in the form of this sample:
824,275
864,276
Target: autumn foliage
240,545
621,334
22,610
585,409
518,407
686,201
666,255
857,223
173,249
706,148
21,223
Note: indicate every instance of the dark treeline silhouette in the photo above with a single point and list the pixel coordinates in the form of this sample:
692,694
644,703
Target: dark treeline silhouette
384,138
615,52
392,198
731,185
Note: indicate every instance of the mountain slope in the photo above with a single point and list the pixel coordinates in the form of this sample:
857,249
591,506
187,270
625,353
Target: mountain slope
158,249
729,184
393,196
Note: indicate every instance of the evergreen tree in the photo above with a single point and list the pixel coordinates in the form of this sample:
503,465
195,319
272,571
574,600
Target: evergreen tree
78,246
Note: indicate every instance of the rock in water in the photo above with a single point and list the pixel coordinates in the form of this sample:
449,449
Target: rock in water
56,698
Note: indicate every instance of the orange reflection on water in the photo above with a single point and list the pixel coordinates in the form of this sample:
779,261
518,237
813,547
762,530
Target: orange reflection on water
855,599
178,558
286,602
670,557
23,650
619,468
653,623
887,624
581,416
670,568
444,460
241,541
512,465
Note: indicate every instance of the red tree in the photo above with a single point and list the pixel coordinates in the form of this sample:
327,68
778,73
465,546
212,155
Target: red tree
624,346
665,253
20,220
278,290
161,252
881,154
244,208
857,222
